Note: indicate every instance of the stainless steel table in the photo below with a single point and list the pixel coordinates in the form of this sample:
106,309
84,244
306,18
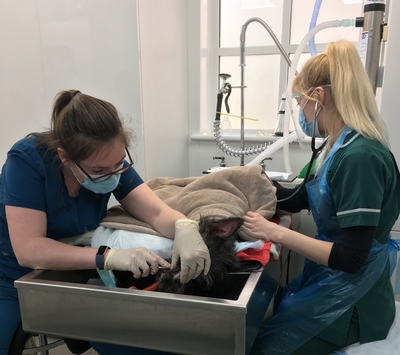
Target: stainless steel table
56,303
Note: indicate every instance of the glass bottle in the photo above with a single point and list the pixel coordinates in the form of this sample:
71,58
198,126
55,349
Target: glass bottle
226,127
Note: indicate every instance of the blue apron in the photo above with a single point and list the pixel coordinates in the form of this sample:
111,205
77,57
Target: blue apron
319,295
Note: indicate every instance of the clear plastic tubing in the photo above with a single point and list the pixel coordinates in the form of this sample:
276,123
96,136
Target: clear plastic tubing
298,133
313,22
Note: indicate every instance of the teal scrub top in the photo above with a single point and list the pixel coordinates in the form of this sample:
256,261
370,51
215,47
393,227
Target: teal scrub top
366,166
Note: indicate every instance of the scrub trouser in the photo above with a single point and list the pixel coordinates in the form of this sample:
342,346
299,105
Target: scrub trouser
10,314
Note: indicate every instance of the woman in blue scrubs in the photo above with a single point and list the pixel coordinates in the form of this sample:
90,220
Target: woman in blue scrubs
57,184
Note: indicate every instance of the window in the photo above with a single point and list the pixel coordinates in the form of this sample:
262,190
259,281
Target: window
266,70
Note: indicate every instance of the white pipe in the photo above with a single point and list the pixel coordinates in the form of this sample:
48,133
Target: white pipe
298,133
278,144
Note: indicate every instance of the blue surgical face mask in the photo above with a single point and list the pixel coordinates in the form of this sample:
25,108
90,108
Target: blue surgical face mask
307,127
101,187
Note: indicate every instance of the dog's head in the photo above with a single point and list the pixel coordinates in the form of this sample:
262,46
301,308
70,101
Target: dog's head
220,237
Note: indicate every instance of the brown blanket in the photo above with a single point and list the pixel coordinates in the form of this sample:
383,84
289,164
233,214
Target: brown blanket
223,194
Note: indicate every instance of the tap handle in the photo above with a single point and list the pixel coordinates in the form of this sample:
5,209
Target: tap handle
229,91
225,88
219,105
222,164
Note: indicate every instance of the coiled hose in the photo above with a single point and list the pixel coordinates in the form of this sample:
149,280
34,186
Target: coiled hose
234,152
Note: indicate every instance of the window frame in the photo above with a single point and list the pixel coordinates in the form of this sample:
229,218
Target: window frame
204,108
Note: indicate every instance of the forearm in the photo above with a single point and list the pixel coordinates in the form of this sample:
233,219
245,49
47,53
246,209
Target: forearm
27,230
45,253
164,223
349,255
311,248
143,204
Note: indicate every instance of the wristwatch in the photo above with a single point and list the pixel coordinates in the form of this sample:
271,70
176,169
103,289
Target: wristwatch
100,256
107,276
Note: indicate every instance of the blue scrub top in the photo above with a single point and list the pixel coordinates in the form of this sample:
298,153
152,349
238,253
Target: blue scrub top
31,177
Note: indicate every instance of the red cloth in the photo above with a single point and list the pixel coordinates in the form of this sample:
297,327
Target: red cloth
263,255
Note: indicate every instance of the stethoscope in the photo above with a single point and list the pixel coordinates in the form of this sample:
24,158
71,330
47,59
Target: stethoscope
315,152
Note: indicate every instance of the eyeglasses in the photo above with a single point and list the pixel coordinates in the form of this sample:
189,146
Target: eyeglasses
100,178
297,96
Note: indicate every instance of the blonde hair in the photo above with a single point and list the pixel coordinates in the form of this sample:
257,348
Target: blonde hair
354,103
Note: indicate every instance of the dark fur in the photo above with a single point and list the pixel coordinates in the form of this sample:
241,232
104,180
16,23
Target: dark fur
220,237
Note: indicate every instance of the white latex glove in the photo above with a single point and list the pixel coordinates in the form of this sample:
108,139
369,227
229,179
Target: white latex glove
140,261
189,246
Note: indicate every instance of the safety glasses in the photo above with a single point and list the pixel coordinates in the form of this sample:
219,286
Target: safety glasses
100,178
298,95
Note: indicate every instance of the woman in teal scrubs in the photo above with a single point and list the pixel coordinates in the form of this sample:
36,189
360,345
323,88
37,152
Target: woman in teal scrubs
344,294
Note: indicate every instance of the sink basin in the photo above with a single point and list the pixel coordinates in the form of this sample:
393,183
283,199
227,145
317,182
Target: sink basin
64,304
